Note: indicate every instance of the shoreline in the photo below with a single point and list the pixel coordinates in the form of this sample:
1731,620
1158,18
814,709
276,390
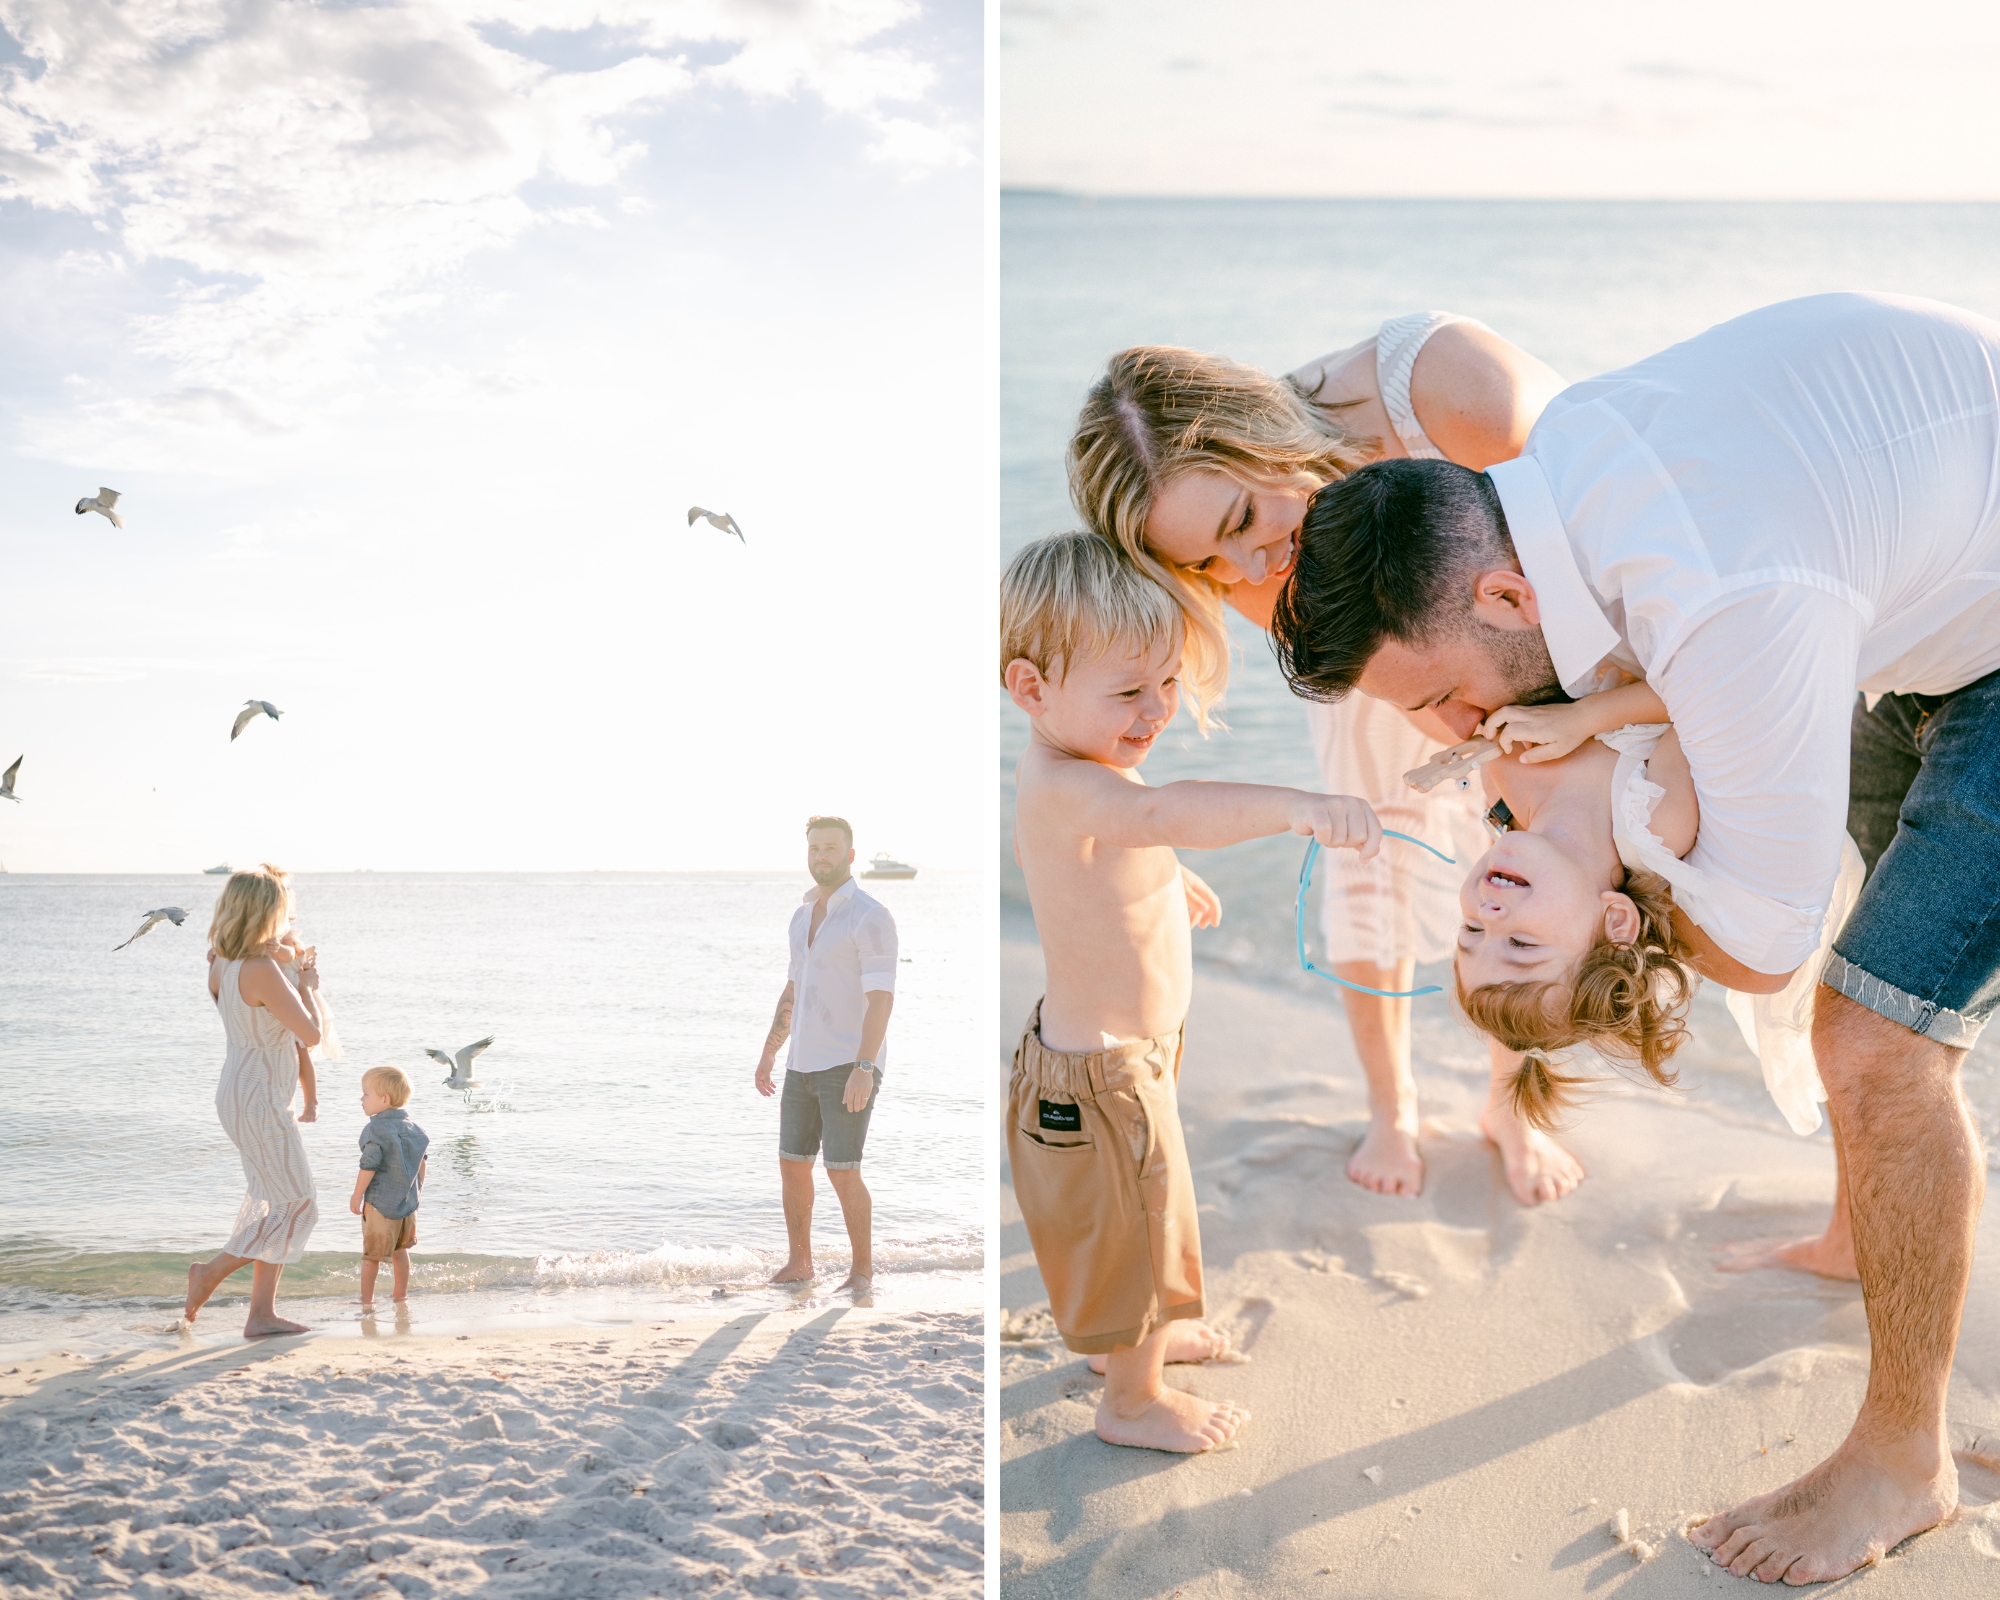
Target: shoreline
1454,1391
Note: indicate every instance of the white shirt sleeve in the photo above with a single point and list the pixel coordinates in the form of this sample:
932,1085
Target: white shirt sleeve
875,944
1762,693
796,959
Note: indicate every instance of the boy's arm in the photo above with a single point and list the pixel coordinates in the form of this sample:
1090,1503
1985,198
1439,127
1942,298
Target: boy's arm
1559,729
1198,815
423,1166
781,1030
361,1183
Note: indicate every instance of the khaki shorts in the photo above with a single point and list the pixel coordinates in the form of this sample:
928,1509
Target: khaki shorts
382,1237
1101,1176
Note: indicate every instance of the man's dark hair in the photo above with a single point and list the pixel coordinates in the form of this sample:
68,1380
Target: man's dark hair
831,822
1387,552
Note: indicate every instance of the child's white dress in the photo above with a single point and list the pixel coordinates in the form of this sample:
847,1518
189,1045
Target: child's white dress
260,1074
1777,1026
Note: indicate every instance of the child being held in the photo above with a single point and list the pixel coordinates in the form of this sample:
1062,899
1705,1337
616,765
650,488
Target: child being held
391,1179
1090,650
1569,934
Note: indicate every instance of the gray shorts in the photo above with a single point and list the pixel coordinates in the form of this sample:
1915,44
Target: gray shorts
810,1115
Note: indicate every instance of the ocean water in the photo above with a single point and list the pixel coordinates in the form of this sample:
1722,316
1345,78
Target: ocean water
615,1160
1587,286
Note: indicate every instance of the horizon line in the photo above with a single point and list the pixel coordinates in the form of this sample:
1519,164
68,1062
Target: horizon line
1057,192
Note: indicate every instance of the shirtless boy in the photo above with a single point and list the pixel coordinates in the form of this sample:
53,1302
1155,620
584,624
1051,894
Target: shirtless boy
1090,649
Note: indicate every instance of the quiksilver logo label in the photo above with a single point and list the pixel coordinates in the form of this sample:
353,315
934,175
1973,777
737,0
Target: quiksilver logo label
1059,1118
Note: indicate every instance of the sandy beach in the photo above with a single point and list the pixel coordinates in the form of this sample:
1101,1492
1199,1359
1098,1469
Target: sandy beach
826,1451
1456,1395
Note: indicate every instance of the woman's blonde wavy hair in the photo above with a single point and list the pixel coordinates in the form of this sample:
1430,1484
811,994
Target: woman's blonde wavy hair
1627,1001
1159,411
248,916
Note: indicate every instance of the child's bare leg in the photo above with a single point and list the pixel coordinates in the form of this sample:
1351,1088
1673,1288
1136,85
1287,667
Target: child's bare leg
1189,1339
309,1084
1537,1167
1387,1160
368,1271
402,1274
1139,1409
264,1318
205,1277
1829,1254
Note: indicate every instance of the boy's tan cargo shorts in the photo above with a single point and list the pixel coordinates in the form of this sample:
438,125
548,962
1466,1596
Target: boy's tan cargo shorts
1101,1175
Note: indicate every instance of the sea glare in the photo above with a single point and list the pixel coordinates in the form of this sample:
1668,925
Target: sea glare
1586,286
616,1160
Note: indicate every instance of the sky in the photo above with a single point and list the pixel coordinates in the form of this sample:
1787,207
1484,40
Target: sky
1704,99
408,331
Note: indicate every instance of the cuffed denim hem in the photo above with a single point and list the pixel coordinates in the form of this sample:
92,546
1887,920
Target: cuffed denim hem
786,1155
1952,1029
842,1166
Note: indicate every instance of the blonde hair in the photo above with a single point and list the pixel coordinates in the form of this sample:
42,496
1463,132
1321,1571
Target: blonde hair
1627,1001
1072,597
391,1081
247,916
1160,411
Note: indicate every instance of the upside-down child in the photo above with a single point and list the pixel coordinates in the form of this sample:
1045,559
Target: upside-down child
1090,650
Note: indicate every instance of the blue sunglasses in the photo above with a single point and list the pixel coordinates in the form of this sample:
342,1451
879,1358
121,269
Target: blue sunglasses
1305,883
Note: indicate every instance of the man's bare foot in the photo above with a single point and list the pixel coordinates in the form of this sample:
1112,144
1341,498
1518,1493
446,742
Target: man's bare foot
1847,1512
1173,1421
1189,1339
1537,1167
1823,1254
264,1327
857,1282
794,1272
1387,1161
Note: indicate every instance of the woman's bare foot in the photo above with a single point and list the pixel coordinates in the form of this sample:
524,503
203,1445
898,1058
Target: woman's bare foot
1172,1421
1537,1167
1826,1254
195,1295
1856,1505
1189,1339
1387,1160
264,1327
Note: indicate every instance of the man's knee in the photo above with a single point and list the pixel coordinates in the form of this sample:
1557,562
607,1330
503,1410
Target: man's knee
1864,1058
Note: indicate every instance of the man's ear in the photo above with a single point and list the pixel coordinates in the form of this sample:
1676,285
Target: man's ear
1503,598
1621,918
1026,685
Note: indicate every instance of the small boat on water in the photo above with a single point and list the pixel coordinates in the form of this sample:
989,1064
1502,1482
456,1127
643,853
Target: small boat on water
889,867
222,871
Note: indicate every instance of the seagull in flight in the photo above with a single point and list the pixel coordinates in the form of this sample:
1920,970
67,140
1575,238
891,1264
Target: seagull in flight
172,914
460,1064
106,499
716,519
7,781
250,709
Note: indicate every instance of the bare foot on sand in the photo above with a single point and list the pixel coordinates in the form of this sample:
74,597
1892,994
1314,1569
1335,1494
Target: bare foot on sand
1387,1161
1172,1421
1824,1254
196,1295
1847,1512
856,1282
1537,1167
1190,1339
264,1327
794,1272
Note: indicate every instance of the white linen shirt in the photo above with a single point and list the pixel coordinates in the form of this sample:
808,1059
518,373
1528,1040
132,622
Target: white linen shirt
1791,506
853,953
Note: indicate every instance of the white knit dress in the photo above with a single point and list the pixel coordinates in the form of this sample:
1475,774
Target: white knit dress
260,1074
1404,903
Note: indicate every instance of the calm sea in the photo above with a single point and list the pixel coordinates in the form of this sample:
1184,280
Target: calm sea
615,1159
1585,286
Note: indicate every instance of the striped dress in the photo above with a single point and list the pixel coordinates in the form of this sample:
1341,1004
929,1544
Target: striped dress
260,1074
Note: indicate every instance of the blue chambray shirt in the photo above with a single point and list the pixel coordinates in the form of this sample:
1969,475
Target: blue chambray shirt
392,1147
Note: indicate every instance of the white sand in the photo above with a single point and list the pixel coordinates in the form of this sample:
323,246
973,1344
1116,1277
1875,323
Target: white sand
833,1453
1454,1395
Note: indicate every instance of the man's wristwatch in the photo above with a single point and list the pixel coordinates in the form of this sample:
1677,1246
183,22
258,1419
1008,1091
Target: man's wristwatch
864,1066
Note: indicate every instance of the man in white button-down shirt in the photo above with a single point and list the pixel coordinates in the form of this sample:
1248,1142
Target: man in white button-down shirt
1760,521
835,1009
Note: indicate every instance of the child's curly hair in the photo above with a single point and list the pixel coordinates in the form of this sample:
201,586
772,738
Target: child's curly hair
1627,1001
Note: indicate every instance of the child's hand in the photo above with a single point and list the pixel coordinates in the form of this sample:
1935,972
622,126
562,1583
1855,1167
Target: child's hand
1555,730
1338,821
311,1112
354,1204
1204,905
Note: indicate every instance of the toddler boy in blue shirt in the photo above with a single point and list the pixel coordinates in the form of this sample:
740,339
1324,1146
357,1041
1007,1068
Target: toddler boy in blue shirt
391,1179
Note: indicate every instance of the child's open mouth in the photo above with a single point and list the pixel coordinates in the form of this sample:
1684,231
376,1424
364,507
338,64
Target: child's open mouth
1505,880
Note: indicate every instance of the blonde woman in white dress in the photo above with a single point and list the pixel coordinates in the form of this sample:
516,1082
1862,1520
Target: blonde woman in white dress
1201,468
267,1020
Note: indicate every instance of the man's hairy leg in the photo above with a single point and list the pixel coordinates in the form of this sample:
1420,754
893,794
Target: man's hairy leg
1916,1181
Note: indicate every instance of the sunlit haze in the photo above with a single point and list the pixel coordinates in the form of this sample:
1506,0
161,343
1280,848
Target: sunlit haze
409,332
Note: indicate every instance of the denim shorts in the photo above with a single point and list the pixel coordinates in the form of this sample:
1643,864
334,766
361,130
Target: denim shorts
811,1113
1922,947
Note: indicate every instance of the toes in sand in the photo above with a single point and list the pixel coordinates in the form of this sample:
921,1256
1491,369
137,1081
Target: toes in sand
1173,1421
263,1328
1387,1161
